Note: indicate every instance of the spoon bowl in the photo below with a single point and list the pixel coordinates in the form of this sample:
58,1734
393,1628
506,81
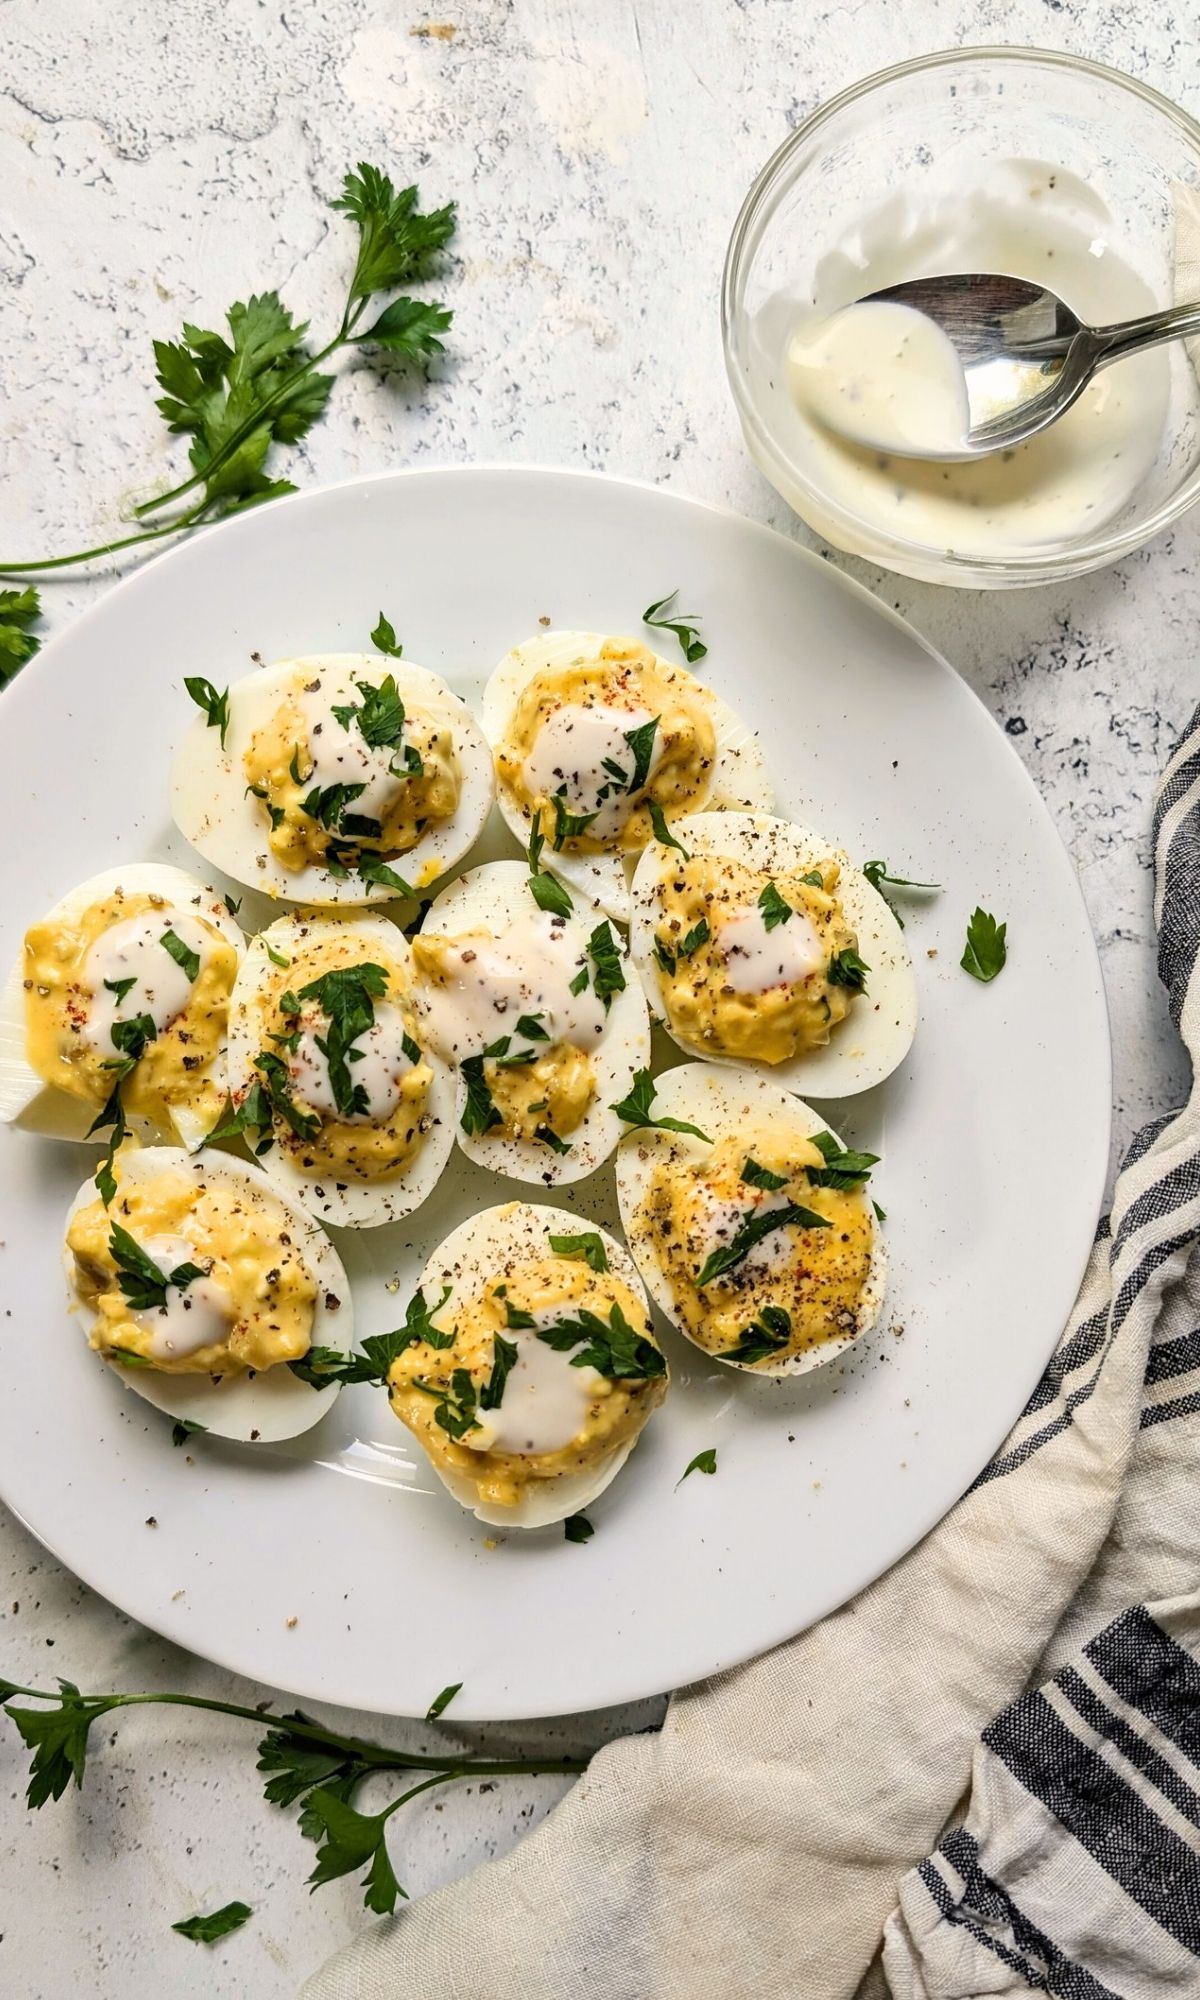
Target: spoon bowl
1024,355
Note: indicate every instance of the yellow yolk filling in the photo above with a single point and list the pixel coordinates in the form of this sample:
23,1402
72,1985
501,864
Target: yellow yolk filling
626,675
243,1243
347,1150
616,1410
554,1091
280,750
701,1005
818,1276
176,1068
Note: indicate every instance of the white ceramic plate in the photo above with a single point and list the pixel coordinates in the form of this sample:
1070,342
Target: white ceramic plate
337,1566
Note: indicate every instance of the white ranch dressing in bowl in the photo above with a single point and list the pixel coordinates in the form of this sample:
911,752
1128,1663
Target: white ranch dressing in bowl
837,366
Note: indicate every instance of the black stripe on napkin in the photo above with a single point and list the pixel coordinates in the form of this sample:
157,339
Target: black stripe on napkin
1150,1672
984,1905
1134,1748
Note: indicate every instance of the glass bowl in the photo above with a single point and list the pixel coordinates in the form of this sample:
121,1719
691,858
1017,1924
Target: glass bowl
891,148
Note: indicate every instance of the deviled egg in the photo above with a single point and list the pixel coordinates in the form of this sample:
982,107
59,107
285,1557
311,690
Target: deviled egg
541,1015
761,945
595,739
199,1283
538,1369
759,1240
329,1080
127,980
337,778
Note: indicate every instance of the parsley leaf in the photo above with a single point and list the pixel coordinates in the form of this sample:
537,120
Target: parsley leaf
184,1428
530,1025
846,968
764,1336
549,1137
662,831
636,1110
187,959
380,1351
704,1461
327,803
347,997
215,706
140,1279
986,950
121,987
775,910
577,1528
615,1350
112,1113
843,1167
877,873
762,1177
383,638
479,1111
218,1924
751,1229
669,957
372,869
504,1355
641,742
455,1412
609,976
19,609
277,1079
253,1114
350,1840
588,1244
442,1701
567,825
279,958
395,239
381,714
547,891
684,627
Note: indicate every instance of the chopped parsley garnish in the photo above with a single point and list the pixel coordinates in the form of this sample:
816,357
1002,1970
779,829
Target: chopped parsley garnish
684,627
132,1039
549,1137
609,975
669,957
215,706
275,814
327,803
218,1923
515,1317
373,870
253,1114
814,879
846,968
986,950
277,1080
442,1701
877,873
383,638
547,891
704,1461
775,910
141,1281
294,772
380,715
636,1110
185,1427
752,1228
764,1336
187,959
579,983
641,742
232,903
762,1177
504,1355
588,1244
279,958
121,987
880,1213
662,832
577,1528
530,1025
411,1049
323,1365
112,1114
844,1169
347,997
455,1412
479,1111
613,1348
567,825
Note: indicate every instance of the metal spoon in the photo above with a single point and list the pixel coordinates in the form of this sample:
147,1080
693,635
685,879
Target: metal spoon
1025,356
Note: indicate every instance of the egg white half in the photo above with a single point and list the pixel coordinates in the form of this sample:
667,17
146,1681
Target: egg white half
724,1104
473,1257
491,898
877,1034
35,1106
345,1204
738,780
251,1408
214,810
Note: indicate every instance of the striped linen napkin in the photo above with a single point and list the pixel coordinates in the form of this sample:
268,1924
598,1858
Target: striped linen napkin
779,1827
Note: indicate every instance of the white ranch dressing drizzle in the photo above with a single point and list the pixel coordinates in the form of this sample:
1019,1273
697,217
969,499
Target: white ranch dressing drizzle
341,755
133,949
715,1221
545,1400
491,982
757,958
380,1069
569,752
199,1316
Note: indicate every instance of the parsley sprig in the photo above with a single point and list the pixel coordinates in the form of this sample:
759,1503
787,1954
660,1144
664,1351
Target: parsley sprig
260,383
305,1765
683,625
752,1228
637,1110
19,609
986,950
323,1365
613,1347
878,872
546,889
142,1282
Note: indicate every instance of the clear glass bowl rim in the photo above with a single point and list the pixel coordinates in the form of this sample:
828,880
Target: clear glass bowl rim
1080,556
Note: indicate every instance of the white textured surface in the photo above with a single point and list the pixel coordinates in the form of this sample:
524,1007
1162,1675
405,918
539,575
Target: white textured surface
158,163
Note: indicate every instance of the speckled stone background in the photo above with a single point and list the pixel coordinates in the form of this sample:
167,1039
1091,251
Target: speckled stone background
158,161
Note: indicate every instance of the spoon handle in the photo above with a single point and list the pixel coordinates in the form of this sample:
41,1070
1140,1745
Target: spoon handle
1128,336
